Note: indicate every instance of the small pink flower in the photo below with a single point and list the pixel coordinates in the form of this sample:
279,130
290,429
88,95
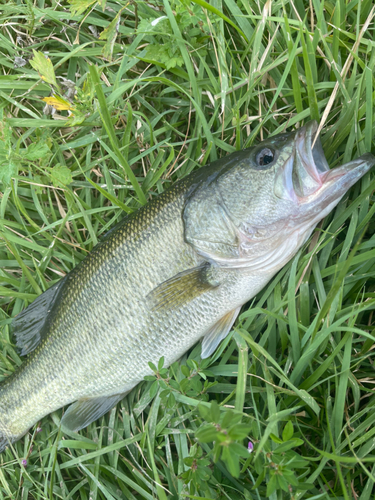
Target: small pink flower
38,429
250,447
24,462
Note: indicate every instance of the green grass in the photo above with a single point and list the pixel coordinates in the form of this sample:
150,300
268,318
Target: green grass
153,103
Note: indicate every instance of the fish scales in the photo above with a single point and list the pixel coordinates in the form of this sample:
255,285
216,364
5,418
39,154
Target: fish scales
175,271
116,346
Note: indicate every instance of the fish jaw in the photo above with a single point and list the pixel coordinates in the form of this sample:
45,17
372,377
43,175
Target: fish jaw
306,179
335,183
330,187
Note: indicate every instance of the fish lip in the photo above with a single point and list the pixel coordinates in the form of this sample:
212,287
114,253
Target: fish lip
364,162
338,180
336,183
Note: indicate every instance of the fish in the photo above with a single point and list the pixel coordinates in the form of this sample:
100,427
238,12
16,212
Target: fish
176,271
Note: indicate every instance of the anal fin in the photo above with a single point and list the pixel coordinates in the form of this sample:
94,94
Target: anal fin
218,332
84,411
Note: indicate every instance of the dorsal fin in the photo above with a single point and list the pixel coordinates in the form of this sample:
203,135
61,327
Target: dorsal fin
29,326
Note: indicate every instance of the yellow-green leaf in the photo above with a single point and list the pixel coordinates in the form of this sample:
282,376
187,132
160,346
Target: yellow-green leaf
79,6
44,67
57,102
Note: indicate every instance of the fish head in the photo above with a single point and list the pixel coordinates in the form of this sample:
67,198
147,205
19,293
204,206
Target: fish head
260,206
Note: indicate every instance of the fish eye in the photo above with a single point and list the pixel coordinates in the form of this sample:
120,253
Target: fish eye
265,157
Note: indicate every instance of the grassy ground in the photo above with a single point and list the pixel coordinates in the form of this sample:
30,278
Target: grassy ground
160,89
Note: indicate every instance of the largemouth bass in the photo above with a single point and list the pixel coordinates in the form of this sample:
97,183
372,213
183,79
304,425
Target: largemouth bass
176,271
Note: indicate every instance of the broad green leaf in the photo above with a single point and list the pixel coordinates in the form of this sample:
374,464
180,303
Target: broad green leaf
61,176
288,431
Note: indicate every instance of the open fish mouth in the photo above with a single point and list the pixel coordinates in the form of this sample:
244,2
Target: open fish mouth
310,165
306,177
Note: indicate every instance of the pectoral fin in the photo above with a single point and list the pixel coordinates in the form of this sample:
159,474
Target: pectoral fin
218,332
84,411
182,288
